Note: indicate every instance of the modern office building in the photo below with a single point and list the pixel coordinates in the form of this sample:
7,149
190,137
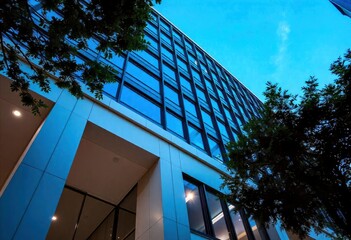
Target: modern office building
344,6
145,162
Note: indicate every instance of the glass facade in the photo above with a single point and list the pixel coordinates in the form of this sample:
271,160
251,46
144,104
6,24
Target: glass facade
177,85
211,216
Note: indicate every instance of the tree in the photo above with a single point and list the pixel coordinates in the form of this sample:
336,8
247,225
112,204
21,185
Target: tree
48,35
293,163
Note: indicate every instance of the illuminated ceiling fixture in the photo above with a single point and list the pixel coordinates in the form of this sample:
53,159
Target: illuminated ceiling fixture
54,218
189,196
16,113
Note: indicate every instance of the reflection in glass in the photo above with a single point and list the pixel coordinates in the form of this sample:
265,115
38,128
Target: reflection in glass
215,149
237,223
196,137
143,77
141,104
171,94
217,217
192,199
174,124
254,229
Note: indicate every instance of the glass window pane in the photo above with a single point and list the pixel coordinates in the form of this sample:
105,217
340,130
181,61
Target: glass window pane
116,60
174,124
167,53
165,38
152,28
182,64
151,41
208,84
200,94
192,59
171,95
222,129
177,35
215,149
196,75
168,71
140,104
111,88
217,217
179,49
193,204
214,104
237,223
190,107
164,25
126,224
254,229
196,137
207,118
185,83
199,54
148,57
189,45
143,77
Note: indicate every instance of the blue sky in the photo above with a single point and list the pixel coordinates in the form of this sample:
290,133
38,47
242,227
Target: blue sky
257,41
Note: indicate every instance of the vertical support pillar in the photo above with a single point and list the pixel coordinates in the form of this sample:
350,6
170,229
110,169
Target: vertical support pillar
30,199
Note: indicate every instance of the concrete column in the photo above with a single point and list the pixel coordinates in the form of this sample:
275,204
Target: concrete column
31,197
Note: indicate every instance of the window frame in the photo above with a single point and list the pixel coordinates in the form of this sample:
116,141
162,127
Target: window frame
209,231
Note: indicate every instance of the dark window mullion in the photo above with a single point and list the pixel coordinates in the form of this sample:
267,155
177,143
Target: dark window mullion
247,225
205,210
228,220
123,73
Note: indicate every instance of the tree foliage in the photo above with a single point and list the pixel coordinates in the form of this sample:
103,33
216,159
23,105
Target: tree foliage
49,34
293,163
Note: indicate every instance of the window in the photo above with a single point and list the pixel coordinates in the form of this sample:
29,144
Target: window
209,215
171,94
182,64
140,104
165,38
215,104
199,54
192,59
151,28
167,53
215,149
179,49
222,128
190,107
192,199
151,41
168,71
206,118
143,77
185,82
217,216
148,57
176,35
174,124
196,137
111,88
164,25
189,45
196,74
200,94
237,223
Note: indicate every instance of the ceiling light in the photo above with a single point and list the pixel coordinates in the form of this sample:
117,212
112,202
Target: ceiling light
189,196
54,218
16,113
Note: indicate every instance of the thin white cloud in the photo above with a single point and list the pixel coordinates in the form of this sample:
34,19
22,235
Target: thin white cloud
283,32
281,58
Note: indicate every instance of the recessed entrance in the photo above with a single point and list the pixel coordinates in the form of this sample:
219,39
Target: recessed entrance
99,200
